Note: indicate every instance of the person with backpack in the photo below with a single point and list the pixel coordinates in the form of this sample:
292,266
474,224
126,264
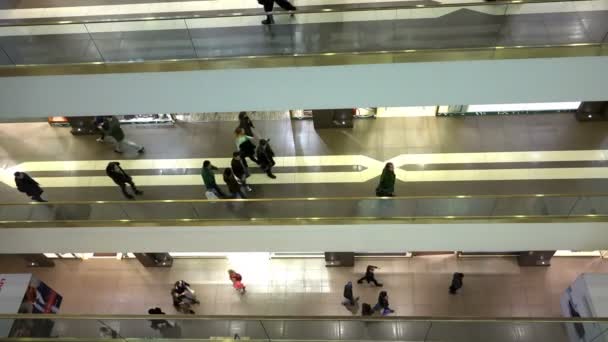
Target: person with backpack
349,298
121,178
265,156
29,186
456,282
237,281
240,171
233,185
386,188
111,127
209,179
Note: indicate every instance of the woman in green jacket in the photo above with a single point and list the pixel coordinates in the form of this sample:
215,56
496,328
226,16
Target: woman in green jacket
386,188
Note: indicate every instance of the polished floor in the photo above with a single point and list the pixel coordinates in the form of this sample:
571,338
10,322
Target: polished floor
537,154
493,286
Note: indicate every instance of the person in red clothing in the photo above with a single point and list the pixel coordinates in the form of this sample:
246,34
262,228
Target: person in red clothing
237,281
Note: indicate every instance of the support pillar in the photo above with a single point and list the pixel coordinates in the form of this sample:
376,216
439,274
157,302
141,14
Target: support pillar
38,260
535,258
339,259
155,259
592,111
333,118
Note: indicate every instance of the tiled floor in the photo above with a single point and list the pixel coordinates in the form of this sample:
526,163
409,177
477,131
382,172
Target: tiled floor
493,286
434,156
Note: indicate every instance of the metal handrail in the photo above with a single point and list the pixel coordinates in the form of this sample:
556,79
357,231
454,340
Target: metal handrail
316,59
237,14
310,318
312,199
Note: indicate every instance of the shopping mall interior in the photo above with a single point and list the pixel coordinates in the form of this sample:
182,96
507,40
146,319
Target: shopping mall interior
352,170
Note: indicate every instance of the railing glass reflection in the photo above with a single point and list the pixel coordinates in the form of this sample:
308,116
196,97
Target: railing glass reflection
310,210
450,26
300,329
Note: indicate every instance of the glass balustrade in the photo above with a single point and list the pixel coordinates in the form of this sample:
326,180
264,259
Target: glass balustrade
327,31
309,210
194,328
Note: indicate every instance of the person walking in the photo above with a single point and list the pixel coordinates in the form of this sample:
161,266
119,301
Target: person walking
237,281
370,276
349,298
245,124
386,188
29,186
265,156
269,5
383,304
111,127
233,185
240,171
209,179
121,178
245,146
456,282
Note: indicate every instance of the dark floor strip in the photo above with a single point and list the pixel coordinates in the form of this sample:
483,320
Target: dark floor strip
520,165
170,172
17,4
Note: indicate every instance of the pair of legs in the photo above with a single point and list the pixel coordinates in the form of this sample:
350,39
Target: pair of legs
350,301
37,198
369,279
269,5
385,311
119,146
238,194
123,187
250,156
216,189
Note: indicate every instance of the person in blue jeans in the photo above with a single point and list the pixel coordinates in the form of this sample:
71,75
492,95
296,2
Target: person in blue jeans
383,304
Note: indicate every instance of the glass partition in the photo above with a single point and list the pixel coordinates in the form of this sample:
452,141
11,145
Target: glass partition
301,329
310,209
310,32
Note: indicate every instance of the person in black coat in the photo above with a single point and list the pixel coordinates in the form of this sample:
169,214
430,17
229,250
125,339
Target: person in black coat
29,186
456,282
265,157
245,124
241,172
369,275
349,298
233,185
121,178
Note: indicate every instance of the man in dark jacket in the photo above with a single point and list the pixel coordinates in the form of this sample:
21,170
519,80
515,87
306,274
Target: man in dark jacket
456,282
246,124
29,186
121,178
369,276
240,170
209,179
266,157
349,298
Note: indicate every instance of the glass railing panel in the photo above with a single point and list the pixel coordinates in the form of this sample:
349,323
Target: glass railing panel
364,208
142,40
197,328
317,31
49,44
